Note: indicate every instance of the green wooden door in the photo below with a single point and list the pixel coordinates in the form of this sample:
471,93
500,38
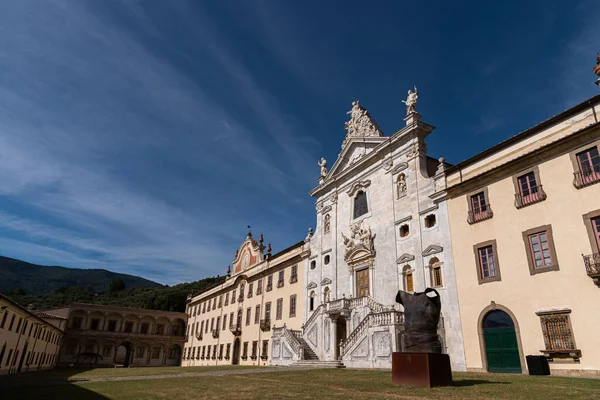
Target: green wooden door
501,350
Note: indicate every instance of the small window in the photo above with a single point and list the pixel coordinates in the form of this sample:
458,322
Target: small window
558,334
294,274
245,351
248,313
292,306
257,314
360,204
479,208
487,262
436,272
409,285
279,314
327,223
404,230
311,301
326,260
268,311
430,221
541,255
588,163
313,264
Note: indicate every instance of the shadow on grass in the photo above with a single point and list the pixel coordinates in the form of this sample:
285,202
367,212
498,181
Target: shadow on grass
473,382
58,387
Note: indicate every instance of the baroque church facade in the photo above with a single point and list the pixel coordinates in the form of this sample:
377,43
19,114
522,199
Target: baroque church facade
382,226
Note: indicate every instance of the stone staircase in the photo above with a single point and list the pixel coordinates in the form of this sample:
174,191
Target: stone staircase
309,354
319,364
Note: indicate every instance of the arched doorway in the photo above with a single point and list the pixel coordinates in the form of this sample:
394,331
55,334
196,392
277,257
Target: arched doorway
236,352
500,342
123,354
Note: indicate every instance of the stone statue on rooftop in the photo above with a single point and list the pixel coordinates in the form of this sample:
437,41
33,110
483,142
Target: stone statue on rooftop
411,101
323,165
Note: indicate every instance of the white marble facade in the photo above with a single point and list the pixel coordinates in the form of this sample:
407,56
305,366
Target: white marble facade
369,256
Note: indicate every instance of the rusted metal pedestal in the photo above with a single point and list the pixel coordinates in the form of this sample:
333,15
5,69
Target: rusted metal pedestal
421,369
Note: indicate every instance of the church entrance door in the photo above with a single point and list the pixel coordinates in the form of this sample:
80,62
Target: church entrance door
236,352
362,282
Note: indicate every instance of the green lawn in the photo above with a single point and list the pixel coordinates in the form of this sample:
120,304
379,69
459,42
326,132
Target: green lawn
310,384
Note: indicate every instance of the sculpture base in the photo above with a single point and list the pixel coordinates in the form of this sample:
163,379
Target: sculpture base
421,369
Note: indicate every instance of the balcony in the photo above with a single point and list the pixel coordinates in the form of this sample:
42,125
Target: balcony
480,215
536,195
269,287
253,356
279,284
215,333
293,278
586,177
592,267
236,329
265,325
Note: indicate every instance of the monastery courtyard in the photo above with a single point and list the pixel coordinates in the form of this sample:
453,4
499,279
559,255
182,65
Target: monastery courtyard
280,383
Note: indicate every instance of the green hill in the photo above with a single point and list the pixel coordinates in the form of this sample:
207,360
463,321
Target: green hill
49,287
38,279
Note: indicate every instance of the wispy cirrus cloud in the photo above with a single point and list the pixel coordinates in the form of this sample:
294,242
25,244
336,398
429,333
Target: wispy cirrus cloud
115,155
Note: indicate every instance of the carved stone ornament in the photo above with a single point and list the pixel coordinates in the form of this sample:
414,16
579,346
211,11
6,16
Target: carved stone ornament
356,186
319,205
334,198
360,244
361,124
311,285
431,250
413,151
325,281
325,209
387,164
405,258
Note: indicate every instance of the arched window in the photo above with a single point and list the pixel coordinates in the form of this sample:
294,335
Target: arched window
436,272
313,264
327,223
360,204
326,295
311,301
401,185
409,285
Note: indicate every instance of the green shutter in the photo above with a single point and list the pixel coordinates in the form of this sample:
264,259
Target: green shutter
502,350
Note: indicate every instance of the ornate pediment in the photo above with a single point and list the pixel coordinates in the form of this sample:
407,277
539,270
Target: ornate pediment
405,258
356,186
326,281
400,167
361,124
360,245
311,285
431,250
249,254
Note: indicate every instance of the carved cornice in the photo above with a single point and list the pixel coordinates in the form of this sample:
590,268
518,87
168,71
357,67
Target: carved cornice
405,258
326,281
431,250
400,167
356,186
311,285
403,220
432,208
325,209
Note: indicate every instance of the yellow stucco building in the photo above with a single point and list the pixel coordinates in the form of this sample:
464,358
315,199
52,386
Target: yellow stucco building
239,321
28,341
525,228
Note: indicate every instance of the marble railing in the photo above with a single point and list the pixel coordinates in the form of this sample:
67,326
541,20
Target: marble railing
384,318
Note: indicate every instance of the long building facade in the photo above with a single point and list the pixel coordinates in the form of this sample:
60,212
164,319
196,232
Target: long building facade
108,336
28,341
525,222
243,321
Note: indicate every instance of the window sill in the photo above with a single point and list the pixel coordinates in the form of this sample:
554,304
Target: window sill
488,280
535,271
362,217
575,354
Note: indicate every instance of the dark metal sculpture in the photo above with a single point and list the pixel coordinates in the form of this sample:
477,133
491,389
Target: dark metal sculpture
421,319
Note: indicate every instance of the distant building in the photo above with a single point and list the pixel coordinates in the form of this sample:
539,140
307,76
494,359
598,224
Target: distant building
104,336
525,221
242,320
28,341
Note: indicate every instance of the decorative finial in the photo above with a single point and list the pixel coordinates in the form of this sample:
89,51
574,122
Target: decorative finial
261,239
411,101
237,251
228,271
442,160
249,232
269,249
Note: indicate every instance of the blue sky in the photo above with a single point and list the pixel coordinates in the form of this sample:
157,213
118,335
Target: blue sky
143,136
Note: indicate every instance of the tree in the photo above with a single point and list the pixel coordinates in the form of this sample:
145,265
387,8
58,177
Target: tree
117,285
